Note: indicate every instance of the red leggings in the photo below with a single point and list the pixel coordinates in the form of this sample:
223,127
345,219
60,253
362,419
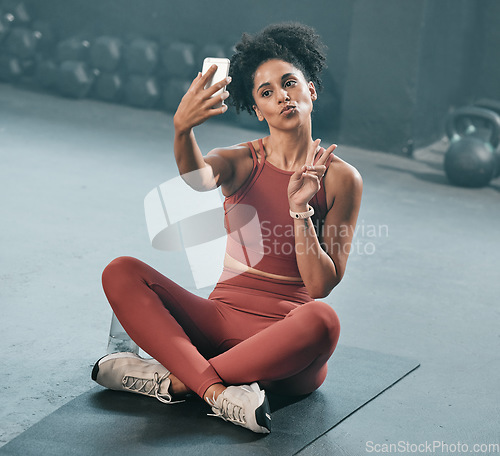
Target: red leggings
251,328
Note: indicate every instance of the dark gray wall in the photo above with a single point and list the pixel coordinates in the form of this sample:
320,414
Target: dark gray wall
396,67
381,83
446,62
409,63
487,40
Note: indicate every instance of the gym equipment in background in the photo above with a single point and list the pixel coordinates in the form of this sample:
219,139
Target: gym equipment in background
23,43
106,55
141,61
142,71
75,77
472,160
179,68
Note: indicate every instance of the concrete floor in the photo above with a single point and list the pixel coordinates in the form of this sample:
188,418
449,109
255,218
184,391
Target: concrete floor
422,280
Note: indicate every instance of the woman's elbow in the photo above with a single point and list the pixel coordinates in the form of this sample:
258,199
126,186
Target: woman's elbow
321,291
201,180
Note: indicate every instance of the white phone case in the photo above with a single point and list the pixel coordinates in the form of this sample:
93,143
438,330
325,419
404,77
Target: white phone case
221,73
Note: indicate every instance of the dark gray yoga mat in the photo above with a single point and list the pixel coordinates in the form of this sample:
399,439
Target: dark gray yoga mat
103,422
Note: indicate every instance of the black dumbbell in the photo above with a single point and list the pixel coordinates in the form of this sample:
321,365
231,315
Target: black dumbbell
21,43
141,56
73,49
5,26
173,91
24,41
142,91
109,87
16,12
178,60
75,79
27,45
46,38
106,53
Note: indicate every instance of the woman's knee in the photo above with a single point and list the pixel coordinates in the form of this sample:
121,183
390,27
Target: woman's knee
303,383
117,268
323,320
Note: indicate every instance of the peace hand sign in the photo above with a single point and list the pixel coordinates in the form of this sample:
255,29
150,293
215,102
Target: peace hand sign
305,182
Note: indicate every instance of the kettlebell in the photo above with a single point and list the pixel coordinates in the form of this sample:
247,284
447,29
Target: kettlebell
472,159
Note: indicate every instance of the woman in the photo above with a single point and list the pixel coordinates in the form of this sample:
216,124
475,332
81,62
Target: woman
261,327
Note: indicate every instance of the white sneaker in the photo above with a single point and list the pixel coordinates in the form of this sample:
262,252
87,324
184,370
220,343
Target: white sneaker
244,405
129,372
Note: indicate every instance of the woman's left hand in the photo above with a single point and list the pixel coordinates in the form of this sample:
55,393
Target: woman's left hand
305,182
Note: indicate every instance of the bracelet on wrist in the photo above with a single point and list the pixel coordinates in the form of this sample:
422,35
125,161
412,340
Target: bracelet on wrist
302,215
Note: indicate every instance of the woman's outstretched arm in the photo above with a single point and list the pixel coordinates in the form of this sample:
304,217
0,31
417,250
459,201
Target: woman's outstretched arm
195,108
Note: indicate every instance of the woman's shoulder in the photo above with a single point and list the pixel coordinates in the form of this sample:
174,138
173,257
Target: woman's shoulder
341,178
235,151
343,170
240,159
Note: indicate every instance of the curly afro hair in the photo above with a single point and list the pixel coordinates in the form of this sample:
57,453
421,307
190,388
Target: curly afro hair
292,42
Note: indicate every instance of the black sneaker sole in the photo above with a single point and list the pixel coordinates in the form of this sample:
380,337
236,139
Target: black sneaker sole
263,415
95,369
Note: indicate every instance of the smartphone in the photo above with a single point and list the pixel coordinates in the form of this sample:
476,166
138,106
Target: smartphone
221,73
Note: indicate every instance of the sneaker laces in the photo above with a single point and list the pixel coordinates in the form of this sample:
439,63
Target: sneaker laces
227,410
149,386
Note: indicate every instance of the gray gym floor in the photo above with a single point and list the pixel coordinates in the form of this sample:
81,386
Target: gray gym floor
422,280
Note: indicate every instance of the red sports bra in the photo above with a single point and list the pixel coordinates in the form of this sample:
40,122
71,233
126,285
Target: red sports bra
257,220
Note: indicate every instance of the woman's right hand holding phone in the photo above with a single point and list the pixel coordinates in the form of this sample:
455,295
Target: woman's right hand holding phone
197,105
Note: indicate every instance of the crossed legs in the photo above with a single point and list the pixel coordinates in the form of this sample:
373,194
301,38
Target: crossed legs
186,333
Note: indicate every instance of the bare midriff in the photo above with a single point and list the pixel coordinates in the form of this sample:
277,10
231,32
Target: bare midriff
231,263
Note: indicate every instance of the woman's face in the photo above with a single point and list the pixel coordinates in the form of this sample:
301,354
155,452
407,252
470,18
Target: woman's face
282,95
